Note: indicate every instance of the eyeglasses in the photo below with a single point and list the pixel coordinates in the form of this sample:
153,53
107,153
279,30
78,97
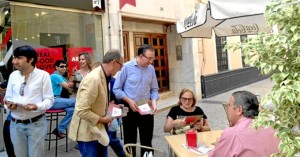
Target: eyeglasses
119,63
149,58
186,99
21,92
62,66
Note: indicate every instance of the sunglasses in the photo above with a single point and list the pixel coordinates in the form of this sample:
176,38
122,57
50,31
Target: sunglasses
21,92
61,66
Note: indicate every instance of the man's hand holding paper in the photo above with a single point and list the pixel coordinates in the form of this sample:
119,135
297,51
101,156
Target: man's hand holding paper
144,107
117,110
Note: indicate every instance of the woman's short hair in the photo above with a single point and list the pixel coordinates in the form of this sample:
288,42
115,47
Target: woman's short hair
184,90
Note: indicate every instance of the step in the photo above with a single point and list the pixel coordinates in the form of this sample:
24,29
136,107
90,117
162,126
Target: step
166,94
167,100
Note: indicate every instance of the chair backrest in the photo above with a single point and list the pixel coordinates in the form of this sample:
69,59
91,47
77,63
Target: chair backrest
128,150
224,104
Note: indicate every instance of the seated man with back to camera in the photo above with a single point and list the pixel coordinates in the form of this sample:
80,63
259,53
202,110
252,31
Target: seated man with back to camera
67,104
241,139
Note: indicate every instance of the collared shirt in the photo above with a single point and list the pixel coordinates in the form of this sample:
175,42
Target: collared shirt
136,82
37,90
56,80
242,140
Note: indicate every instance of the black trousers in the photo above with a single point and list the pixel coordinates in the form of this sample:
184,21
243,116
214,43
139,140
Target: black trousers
7,141
144,124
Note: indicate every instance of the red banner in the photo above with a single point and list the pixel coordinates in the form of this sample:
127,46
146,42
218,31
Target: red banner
47,58
6,38
73,60
123,2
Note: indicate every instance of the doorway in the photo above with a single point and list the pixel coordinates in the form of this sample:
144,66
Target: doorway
158,42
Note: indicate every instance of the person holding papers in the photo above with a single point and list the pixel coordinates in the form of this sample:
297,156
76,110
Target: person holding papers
186,115
136,85
28,95
89,121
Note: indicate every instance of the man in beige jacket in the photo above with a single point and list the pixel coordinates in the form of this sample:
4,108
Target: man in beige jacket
90,120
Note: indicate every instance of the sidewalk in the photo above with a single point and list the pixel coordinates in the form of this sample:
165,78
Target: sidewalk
211,106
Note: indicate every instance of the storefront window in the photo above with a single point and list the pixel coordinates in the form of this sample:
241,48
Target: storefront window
59,30
5,32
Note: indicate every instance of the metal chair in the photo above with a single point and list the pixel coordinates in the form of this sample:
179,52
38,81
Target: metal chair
129,153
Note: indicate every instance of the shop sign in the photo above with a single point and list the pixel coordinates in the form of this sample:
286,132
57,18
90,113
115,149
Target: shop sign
73,57
96,3
47,58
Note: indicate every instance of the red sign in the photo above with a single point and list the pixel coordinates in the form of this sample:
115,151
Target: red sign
73,54
47,58
6,38
123,2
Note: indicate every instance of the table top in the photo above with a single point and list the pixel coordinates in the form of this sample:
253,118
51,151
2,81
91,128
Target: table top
206,138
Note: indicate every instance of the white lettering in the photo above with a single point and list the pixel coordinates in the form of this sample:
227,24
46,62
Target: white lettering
74,59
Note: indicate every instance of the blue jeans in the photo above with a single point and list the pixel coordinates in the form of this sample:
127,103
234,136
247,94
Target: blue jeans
91,149
68,105
28,139
115,144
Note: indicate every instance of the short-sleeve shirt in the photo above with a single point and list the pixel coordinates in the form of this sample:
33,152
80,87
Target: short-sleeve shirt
177,111
56,80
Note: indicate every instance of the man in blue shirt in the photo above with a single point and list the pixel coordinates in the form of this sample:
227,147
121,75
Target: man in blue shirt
137,82
68,104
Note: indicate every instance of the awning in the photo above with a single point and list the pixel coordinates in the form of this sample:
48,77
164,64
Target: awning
226,18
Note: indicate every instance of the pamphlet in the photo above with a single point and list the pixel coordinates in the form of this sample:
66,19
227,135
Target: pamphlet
144,107
114,111
193,119
200,149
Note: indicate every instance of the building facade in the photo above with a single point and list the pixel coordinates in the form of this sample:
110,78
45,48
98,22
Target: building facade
74,25
60,29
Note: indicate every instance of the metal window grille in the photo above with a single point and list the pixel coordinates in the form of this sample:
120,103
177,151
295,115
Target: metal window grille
222,58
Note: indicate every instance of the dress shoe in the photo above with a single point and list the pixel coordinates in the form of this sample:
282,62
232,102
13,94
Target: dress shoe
59,134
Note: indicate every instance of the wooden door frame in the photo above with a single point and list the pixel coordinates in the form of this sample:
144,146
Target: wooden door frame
166,53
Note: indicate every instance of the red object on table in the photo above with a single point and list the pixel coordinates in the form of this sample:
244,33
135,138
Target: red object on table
191,138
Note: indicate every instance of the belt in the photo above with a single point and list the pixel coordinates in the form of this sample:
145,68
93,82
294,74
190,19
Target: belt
56,96
27,121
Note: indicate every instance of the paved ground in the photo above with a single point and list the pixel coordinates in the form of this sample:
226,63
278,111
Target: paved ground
211,106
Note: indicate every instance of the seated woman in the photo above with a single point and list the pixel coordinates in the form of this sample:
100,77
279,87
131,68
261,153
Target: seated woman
186,107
